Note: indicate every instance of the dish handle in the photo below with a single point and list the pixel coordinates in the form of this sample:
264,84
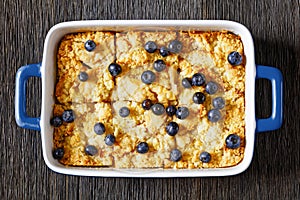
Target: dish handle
23,74
275,120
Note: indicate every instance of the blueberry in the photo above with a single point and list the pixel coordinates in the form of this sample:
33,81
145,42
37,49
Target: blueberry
182,112
150,47
214,115
172,128
175,155
91,150
110,139
218,103
205,157
171,110
148,77
211,87
56,121
99,128
142,147
83,76
235,58
199,98
233,141
124,112
114,69
175,46
186,83
68,116
158,109
146,104
58,153
159,65
164,51
198,79
90,45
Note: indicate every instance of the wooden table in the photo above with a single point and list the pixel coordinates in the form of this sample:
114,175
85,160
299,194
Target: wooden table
274,172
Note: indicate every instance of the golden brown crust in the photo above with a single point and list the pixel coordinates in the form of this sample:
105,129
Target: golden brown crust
101,96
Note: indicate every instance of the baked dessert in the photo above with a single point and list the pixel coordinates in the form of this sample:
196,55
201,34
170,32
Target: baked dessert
170,99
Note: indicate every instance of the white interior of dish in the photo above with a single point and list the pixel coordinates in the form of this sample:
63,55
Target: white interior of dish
48,82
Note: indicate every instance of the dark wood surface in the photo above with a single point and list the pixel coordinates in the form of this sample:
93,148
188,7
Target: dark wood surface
274,172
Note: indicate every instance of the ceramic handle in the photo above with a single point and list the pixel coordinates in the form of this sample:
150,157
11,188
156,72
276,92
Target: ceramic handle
275,120
23,74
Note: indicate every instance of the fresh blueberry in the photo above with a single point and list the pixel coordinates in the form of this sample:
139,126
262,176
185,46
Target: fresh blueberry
233,141
148,77
91,150
146,104
171,110
175,155
198,79
205,157
142,147
159,65
214,115
58,153
114,69
158,109
83,76
175,46
199,98
186,83
235,58
124,112
150,47
90,45
99,128
56,121
211,87
182,112
172,128
218,103
110,139
164,51
68,116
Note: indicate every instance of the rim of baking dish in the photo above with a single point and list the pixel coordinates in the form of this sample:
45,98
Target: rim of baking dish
48,73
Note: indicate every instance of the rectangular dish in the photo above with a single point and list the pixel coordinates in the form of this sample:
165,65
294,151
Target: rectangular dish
48,71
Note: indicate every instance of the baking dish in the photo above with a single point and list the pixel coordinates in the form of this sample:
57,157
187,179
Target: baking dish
46,70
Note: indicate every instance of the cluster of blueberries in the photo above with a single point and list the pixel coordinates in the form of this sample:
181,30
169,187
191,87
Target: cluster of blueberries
67,117
232,141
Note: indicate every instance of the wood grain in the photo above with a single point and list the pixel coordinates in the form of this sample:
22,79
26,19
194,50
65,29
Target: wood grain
274,172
